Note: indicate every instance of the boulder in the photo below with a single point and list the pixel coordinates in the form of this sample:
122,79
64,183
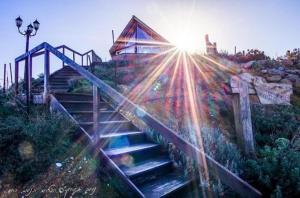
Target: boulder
276,72
293,77
286,81
275,78
293,71
297,84
264,71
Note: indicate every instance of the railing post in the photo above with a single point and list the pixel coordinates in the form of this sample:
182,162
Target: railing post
87,60
11,78
96,98
46,76
242,119
74,56
16,77
30,67
63,63
81,60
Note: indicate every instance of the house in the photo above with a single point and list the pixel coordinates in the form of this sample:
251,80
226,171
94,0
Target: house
137,41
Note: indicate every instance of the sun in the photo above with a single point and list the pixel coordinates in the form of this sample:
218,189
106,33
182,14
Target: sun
184,41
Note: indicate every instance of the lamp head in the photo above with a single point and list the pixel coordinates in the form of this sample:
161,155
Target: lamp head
36,25
29,29
19,22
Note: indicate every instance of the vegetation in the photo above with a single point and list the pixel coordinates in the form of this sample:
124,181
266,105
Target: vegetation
243,57
32,145
276,170
29,143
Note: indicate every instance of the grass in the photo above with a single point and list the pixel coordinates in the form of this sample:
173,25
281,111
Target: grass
30,148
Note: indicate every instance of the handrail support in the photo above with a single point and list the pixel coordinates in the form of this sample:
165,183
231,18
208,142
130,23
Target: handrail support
96,97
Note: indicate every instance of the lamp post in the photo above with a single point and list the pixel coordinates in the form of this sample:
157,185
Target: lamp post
29,32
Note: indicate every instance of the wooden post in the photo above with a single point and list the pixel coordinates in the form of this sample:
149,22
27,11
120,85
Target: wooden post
46,76
81,60
4,78
11,78
63,63
73,56
96,113
16,78
242,118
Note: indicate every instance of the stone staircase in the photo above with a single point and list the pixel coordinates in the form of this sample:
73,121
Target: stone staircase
145,163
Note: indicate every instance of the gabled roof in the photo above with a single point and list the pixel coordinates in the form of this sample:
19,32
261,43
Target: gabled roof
129,31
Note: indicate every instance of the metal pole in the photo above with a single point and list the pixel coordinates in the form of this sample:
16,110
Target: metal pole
26,60
28,82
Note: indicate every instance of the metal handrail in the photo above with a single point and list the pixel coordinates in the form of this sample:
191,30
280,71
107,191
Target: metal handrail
227,177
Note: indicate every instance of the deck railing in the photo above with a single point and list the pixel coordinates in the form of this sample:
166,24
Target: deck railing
227,177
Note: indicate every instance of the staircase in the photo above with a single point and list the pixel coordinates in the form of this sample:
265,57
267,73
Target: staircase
144,162
143,166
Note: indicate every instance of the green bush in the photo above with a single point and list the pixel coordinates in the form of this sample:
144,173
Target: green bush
28,144
218,147
276,171
273,122
80,86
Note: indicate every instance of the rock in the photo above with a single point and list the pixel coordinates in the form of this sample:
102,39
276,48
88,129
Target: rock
297,84
275,78
286,81
264,71
281,68
248,65
276,72
293,71
293,77
58,165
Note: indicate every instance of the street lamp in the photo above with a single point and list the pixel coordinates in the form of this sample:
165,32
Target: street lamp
28,33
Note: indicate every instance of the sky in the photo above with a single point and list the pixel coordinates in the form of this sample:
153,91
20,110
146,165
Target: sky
270,25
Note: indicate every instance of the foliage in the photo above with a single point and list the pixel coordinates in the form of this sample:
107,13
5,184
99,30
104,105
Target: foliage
80,85
273,122
218,147
276,171
107,72
243,57
29,144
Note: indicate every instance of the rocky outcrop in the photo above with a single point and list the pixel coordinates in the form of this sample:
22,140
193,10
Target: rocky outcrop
281,75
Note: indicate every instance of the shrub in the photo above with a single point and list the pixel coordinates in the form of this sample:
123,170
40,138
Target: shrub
273,122
276,171
28,144
218,147
80,85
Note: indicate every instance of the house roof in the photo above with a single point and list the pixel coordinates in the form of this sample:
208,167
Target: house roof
129,30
